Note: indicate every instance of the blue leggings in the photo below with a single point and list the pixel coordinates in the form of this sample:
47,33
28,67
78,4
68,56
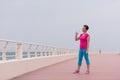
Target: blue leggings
80,57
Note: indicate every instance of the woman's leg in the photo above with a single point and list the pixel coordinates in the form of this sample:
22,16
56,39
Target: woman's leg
86,56
80,57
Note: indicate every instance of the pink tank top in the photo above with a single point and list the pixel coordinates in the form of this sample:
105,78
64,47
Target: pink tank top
83,41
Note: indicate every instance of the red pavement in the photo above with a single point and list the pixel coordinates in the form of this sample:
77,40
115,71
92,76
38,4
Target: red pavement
103,67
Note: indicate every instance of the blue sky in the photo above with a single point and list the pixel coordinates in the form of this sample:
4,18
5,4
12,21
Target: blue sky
54,22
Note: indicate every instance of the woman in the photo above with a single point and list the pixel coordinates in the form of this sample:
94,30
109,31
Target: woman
84,48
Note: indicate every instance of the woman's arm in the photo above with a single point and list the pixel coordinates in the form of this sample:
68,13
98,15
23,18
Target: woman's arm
76,37
88,43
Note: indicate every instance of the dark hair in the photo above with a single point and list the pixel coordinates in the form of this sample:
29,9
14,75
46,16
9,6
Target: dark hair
86,26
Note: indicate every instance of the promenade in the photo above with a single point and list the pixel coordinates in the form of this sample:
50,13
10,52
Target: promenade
103,67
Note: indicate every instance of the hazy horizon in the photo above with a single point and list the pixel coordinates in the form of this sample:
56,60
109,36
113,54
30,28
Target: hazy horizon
54,22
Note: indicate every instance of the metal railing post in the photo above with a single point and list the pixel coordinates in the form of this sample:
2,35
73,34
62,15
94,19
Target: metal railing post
36,50
54,51
28,50
4,51
19,51
42,50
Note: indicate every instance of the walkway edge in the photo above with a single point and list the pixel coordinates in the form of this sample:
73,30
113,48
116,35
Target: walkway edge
16,68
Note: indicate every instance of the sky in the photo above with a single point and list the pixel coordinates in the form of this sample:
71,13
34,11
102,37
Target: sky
54,22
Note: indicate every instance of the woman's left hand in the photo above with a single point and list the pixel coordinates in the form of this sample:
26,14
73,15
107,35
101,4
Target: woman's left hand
87,51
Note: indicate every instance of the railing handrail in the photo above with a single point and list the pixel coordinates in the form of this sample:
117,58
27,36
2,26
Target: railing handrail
13,41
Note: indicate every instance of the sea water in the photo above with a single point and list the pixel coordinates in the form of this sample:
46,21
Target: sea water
12,55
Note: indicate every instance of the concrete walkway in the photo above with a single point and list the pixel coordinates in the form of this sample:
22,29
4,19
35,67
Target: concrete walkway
103,67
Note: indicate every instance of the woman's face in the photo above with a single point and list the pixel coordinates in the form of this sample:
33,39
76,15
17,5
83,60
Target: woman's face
84,29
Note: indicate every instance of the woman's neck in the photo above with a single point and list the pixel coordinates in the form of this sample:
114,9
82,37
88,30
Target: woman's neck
84,32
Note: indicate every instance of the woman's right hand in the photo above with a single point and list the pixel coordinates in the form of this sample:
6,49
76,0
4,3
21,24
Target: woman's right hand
76,33
76,36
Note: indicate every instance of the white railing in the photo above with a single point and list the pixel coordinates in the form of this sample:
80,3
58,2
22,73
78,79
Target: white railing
12,50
